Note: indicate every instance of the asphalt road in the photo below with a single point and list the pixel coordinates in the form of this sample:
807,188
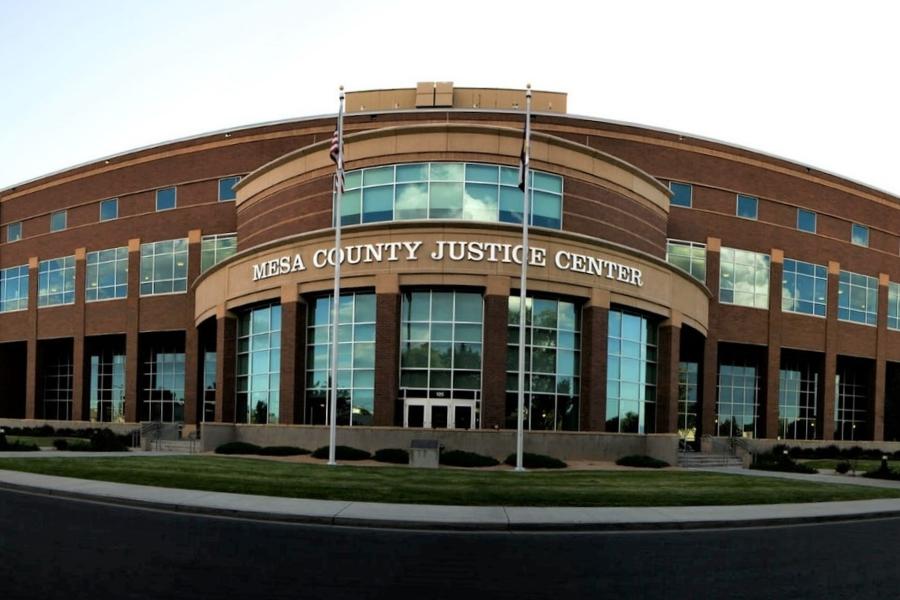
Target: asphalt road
59,548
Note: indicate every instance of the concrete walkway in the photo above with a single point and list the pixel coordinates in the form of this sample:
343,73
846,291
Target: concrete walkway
463,518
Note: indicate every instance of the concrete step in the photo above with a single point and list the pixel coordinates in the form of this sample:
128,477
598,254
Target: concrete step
699,460
174,446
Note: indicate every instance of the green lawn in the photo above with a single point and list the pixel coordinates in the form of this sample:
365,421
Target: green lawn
860,465
446,486
43,442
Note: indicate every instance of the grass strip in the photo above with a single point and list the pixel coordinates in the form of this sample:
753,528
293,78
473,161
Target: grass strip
445,486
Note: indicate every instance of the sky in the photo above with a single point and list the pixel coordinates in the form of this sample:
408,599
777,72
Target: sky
814,82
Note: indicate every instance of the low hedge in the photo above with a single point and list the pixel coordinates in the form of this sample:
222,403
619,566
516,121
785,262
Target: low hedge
641,461
461,458
282,451
780,462
342,453
883,472
397,456
238,448
842,467
536,461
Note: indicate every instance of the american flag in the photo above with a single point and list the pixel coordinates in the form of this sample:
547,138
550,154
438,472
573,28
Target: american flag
335,154
526,151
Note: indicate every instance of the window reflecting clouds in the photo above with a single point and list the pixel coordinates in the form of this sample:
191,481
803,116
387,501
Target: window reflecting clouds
744,278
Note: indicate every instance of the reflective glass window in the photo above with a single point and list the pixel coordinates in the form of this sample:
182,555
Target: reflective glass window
682,194
744,278
259,365
356,359
850,407
747,206
56,281
858,298
58,220
106,275
57,373
738,400
166,198
14,232
688,400
798,390
226,188
859,234
163,383
107,385
109,209
806,220
631,373
893,313
804,288
14,288
216,248
690,257
164,267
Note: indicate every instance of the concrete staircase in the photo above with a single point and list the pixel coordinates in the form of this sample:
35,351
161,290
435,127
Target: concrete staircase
702,460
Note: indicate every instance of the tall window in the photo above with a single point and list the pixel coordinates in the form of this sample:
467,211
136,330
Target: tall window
859,235
106,276
747,207
893,312
468,191
738,401
56,281
356,359
57,386
850,410
14,288
109,209
14,232
164,267
552,342
107,386
804,288
209,386
163,385
58,220
631,374
226,188
259,365
858,298
216,248
682,194
688,400
166,198
744,278
806,220
690,257
797,395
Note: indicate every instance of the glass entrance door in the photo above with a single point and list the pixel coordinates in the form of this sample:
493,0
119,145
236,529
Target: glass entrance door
439,414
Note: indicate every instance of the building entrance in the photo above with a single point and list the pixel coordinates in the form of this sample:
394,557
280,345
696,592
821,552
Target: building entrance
439,414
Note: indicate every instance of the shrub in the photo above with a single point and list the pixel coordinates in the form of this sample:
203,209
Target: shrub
61,444
342,453
780,462
282,451
105,440
79,447
842,467
461,458
536,461
238,448
641,461
397,456
882,472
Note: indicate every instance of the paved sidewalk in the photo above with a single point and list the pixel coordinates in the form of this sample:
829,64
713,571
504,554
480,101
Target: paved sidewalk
462,518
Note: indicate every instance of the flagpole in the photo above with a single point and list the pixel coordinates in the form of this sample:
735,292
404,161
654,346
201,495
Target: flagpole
523,278
336,297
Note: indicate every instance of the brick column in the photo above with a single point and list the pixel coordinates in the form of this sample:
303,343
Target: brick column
293,351
877,428
710,373
132,329
768,410
192,336
226,357
825,421
387,349
667,379
31,361
493,356
80,404
594,334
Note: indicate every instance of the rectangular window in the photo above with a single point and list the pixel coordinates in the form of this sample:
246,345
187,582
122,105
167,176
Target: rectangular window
893,314
216,248
164,267
14,288
744,278
226,188
859,235
631,374
806,220
738,401
804,288
259,365
690,257
109,209
798,390
14,232
682,194
858,298
58,220
163,384
850,408
107,385
165,199
56,281
107,274
56,389
747,207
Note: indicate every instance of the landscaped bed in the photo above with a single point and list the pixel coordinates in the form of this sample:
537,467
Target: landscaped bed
446,486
